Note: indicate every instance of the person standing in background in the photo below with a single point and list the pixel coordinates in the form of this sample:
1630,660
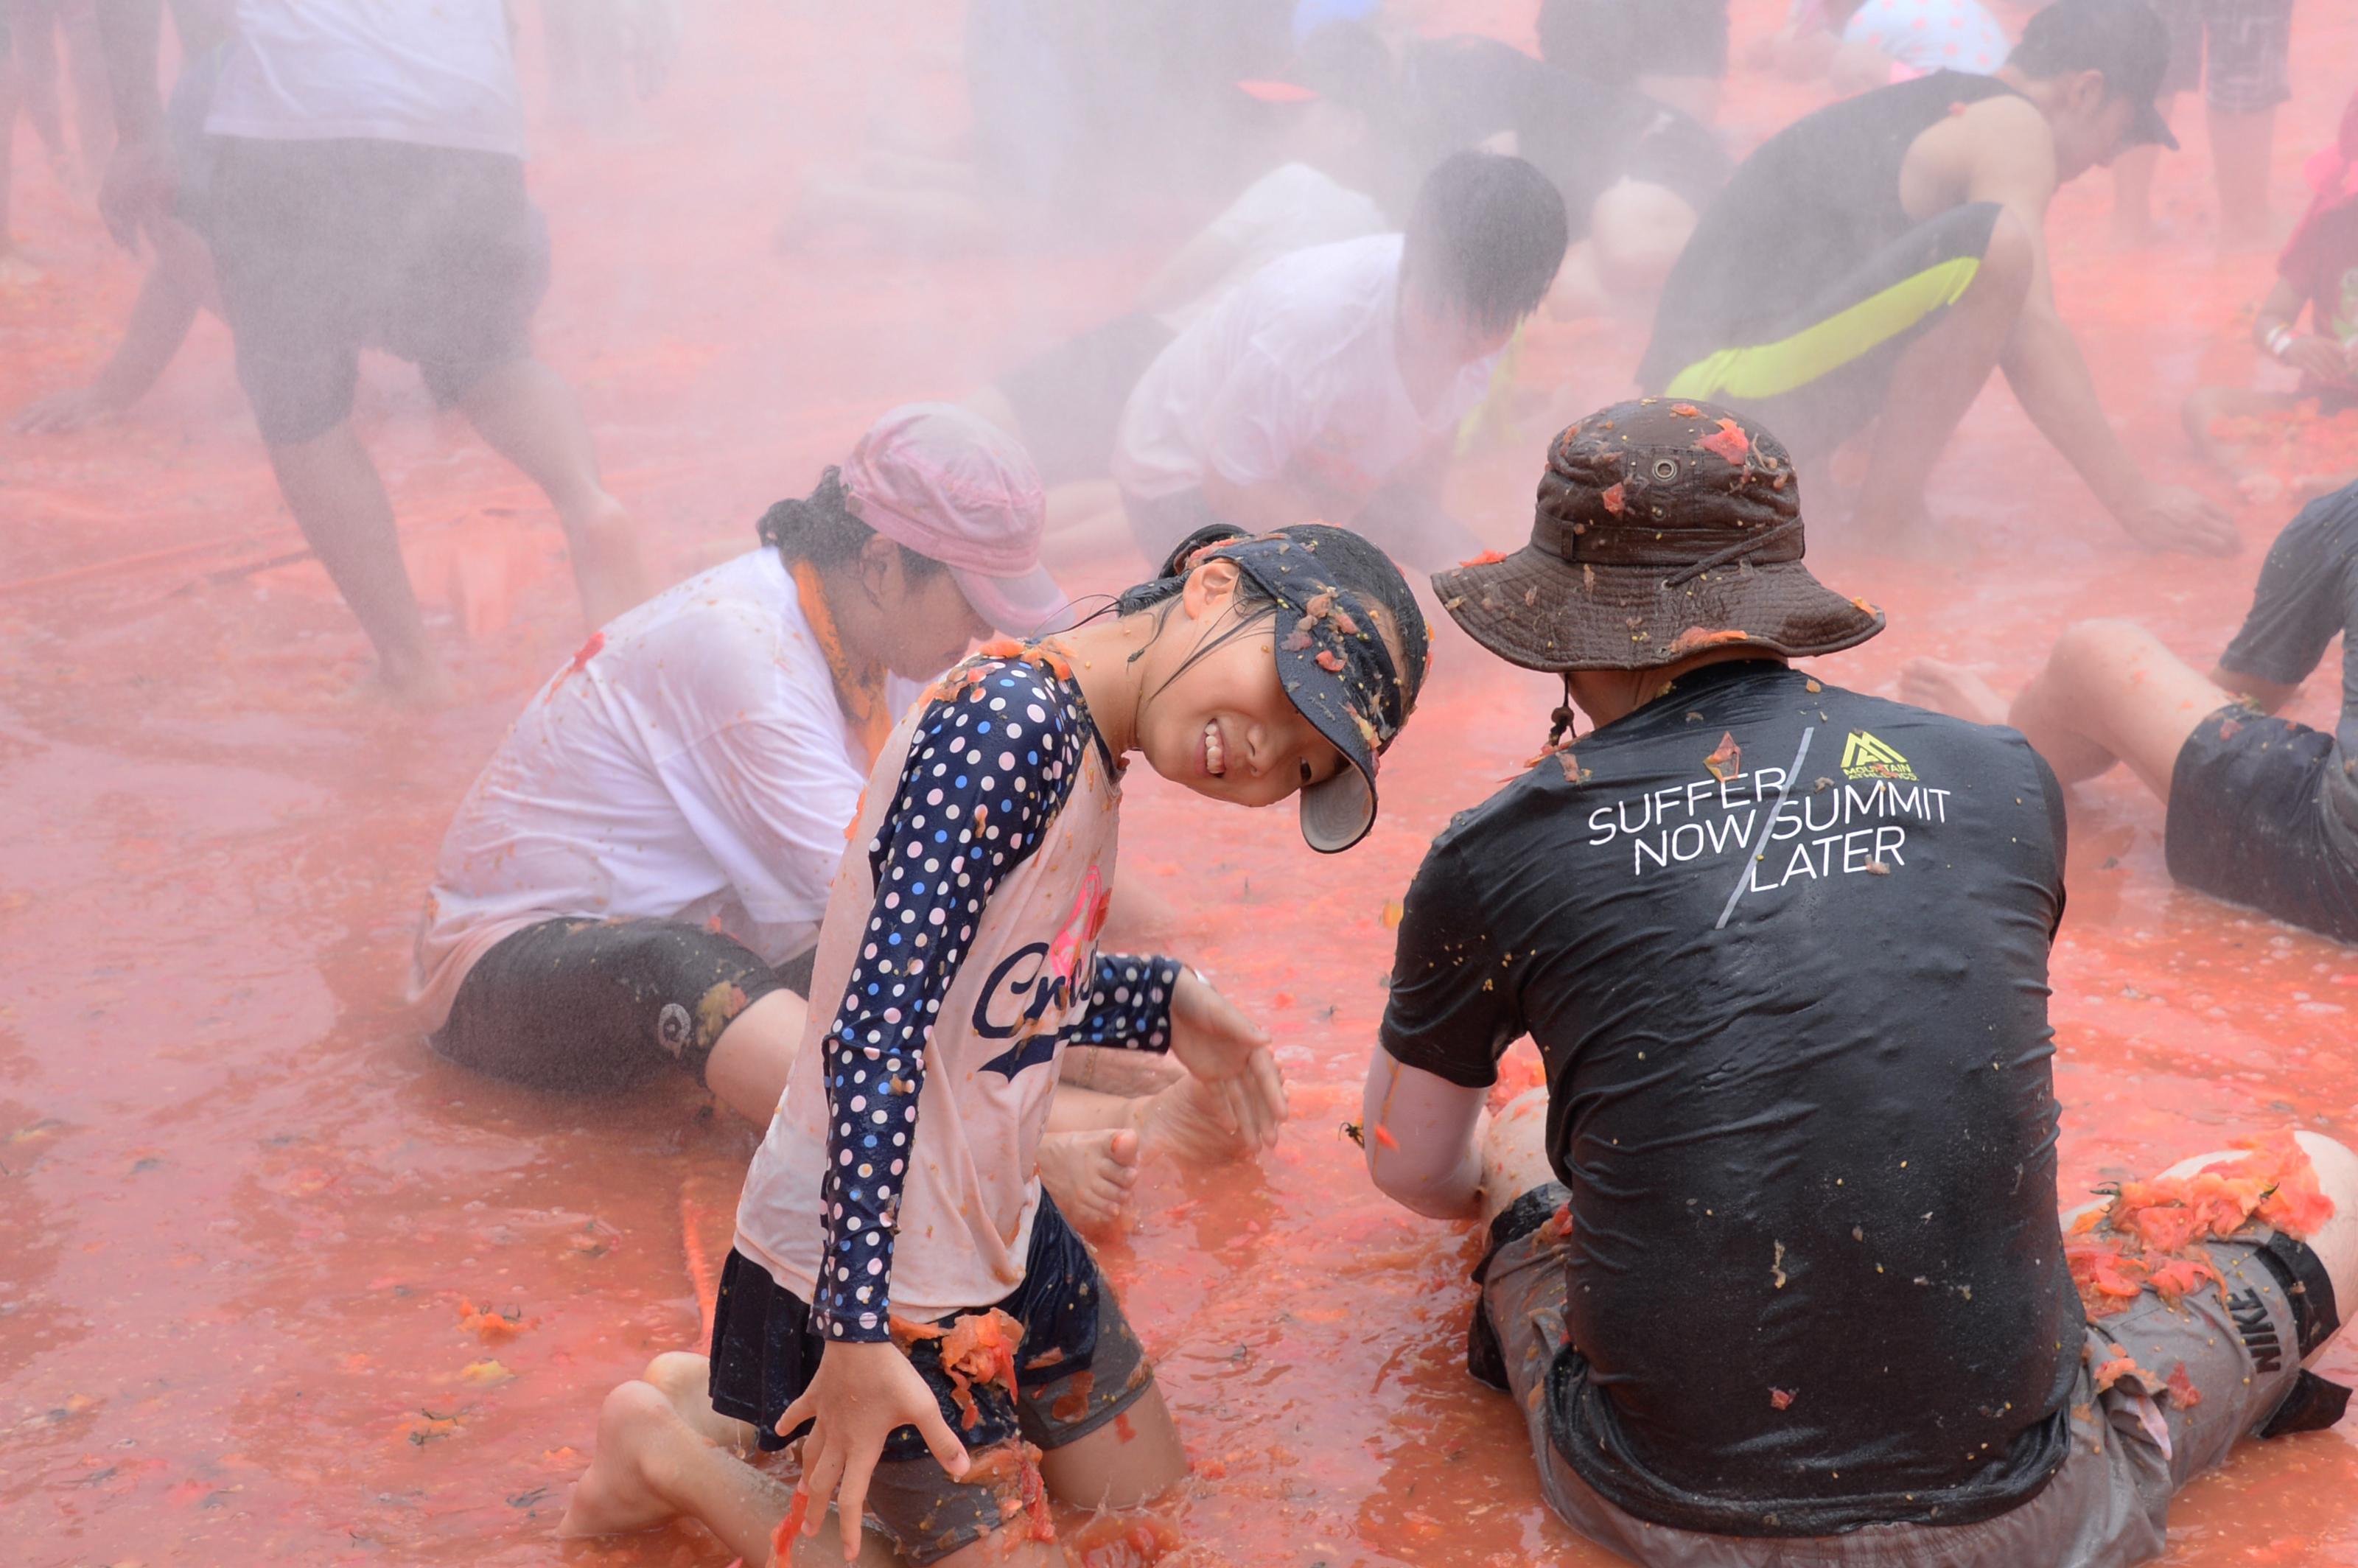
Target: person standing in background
369,192
2240,53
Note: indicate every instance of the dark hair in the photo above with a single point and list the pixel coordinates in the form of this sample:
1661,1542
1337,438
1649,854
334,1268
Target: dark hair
2123,39
820,528
1487,233
1254,602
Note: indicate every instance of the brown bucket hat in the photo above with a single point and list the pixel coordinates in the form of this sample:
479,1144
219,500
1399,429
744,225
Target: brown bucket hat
1663,527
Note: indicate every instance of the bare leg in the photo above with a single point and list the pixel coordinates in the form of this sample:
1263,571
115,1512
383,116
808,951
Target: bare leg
14,267
652,1466
1637,230
1937,380
2336,1245
2206,405
2110,692
1514,1152
93,108
35,59
747,1068
528,412
685,1379
1122,1463
2240,145
338,501
2133,173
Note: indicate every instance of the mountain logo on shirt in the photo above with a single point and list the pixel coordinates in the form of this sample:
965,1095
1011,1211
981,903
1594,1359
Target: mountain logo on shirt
1865,757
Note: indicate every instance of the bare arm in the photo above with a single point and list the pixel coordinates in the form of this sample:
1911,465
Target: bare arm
168,300
1422,1139
2011,161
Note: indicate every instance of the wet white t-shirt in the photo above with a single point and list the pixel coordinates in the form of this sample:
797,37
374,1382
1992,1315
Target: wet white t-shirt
691,763
1295,374
436,73
1290,208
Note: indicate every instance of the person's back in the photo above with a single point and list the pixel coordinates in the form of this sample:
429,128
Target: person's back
1813,202
439,74
1784,950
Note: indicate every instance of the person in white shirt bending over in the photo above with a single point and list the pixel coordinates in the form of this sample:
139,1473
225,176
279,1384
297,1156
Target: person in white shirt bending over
369,193
1330,386
635,882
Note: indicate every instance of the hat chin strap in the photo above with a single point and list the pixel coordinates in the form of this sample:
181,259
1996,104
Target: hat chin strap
1563,723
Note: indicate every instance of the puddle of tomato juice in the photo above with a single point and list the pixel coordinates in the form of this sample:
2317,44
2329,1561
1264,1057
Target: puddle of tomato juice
246,1214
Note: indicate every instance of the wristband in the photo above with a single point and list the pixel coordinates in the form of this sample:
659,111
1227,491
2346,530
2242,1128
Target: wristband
2278,339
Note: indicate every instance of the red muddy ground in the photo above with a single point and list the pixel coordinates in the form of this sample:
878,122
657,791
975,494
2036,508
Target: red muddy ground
240,1206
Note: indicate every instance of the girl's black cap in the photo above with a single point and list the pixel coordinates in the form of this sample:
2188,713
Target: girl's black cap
1331,658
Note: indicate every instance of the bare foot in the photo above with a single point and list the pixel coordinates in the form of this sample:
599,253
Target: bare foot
1187,1120
1112,1071
424,687
1952,689
1090,1173
2258,486
607,568
684,1379
618,1494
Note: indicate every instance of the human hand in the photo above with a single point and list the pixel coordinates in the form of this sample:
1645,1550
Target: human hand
2172,518
862,1393
1229,1054
134,196
2320,358
67,410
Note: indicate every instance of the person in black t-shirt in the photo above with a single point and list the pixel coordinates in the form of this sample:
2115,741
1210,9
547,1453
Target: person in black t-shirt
1874,260
2262,811
1775,1253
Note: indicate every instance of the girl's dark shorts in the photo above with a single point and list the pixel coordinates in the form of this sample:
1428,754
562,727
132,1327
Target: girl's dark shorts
2247,821
1070,399
598,1005
1079,1367
324,248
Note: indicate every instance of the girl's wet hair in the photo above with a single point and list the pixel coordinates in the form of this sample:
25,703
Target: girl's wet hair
820,528
1167,583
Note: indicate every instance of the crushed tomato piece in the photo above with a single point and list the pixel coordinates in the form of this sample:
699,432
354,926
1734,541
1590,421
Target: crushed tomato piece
1728,441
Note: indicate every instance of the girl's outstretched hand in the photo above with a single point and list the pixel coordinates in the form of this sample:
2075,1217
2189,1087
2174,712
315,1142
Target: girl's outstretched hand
861,1393
1229,1053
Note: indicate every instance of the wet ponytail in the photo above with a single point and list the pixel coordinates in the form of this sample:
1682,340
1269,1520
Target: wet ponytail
820,528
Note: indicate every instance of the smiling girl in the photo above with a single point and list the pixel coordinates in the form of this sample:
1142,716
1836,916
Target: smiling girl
901,1290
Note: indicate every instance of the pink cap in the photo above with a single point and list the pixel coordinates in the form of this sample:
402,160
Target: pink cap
954,487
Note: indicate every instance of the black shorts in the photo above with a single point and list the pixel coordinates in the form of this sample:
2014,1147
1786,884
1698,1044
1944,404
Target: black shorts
2247,821
2246,46
324,248
1078,1368
1069,400
597,1005
1818,373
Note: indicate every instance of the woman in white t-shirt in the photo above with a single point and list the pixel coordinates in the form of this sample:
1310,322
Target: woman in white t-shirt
635,882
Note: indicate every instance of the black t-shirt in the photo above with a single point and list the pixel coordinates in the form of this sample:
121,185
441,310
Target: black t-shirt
2307,595
1792,994
1811,205
1457,91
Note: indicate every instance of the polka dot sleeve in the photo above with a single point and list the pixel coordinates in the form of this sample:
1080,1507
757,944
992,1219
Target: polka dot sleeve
990,764
1130,1003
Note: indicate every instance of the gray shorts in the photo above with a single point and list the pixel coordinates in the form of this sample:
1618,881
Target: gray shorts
2105,1509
